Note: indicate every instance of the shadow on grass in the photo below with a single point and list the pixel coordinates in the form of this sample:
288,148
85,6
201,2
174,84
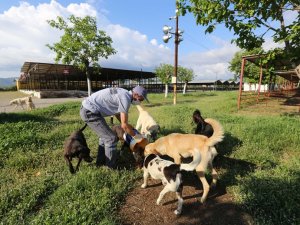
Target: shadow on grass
21,117
38,115
233,167
292,114
276,200
212,212
165,131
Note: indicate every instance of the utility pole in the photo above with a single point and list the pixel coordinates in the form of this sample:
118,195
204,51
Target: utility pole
178,38
176,57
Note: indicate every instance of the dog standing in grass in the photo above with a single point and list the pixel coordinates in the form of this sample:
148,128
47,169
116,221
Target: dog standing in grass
149,127
23,101
76,146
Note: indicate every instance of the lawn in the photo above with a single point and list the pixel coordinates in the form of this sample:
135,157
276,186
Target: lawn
263,173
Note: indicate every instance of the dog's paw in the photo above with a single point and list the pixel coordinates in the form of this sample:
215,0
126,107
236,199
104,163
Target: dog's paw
177,212
213,185
72,171
143,185
157,201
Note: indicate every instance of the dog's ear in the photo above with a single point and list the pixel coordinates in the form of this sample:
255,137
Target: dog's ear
196,116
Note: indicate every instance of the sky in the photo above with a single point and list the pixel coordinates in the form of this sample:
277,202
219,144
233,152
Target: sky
135,27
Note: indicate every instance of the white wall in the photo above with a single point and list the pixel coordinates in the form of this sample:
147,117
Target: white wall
254,87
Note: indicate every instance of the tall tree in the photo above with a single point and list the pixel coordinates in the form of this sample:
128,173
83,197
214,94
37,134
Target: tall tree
250,21
82,44
251,70
165,72
185,75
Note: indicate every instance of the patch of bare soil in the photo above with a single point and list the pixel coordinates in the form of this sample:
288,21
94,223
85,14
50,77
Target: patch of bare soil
285,104
140,206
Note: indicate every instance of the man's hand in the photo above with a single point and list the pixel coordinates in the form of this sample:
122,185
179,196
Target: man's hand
124,124
138,138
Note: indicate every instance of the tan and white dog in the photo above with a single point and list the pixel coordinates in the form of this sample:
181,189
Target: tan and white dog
148,126
23,101
186,145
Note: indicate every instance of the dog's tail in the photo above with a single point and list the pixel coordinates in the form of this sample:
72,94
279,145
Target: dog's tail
218,134
192,165
81,129
140,108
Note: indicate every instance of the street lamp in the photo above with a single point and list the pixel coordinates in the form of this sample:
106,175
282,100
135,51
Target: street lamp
178,38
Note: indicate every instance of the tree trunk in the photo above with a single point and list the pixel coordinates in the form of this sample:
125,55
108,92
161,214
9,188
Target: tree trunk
184,88
89,83
166,90
88,77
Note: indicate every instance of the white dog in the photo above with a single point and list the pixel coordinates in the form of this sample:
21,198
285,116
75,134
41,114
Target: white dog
170,175
147,124
23,101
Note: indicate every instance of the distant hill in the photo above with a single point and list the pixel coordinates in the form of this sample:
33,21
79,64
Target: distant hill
7,82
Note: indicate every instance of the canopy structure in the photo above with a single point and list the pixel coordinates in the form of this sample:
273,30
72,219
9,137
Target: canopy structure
48,76
283,68
37,69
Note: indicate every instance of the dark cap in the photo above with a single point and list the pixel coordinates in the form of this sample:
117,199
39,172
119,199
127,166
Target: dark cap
141,91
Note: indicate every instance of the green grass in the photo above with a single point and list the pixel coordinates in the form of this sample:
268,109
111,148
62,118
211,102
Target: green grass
258,162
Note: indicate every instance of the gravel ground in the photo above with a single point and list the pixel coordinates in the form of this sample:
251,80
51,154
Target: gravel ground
6,97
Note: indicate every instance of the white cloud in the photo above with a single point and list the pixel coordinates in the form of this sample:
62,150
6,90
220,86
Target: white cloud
153,42
25,33
211,64
270,44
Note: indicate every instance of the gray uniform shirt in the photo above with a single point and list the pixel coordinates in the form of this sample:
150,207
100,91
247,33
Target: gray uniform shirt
109,101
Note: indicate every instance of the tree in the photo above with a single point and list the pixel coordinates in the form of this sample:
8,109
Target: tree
185,75
82,44
251,70
165,72
245,17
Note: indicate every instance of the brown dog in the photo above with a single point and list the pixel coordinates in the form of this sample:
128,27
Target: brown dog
76,146
187,145
137,149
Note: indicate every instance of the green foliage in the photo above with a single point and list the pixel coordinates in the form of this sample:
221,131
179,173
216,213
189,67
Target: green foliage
82,44
184,74
164,72
245,17
12,88
258,162
251,70
89,197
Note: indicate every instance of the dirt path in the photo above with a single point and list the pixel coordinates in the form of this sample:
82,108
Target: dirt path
6,97
140,207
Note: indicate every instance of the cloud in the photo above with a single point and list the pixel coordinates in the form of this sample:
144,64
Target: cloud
25,33
211,64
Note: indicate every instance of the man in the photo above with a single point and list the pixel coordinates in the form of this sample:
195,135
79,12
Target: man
107,102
